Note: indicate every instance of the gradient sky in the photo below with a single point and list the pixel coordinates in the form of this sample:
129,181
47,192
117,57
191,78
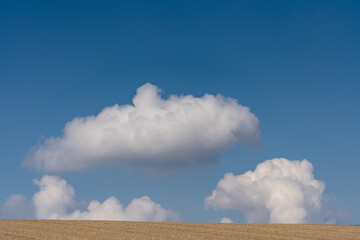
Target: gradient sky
294,63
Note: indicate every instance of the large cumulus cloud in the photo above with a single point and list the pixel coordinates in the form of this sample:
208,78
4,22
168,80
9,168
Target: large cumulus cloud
278,191
153,133
56,200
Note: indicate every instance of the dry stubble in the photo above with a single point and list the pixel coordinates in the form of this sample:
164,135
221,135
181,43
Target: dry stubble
60,229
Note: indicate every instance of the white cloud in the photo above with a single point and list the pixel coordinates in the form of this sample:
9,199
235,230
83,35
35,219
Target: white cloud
278,191
140,209
56,200
226,220
153,133
17,207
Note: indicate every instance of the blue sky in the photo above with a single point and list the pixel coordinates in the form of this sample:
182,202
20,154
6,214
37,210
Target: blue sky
293,63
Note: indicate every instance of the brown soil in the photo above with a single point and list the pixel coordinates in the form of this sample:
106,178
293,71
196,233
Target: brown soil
60,229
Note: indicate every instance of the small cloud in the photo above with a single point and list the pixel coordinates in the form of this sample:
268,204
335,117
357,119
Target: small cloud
56,200
17,207
151,134
226,220
140,209
278,191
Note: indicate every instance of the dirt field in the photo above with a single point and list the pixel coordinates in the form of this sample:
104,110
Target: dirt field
53,229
